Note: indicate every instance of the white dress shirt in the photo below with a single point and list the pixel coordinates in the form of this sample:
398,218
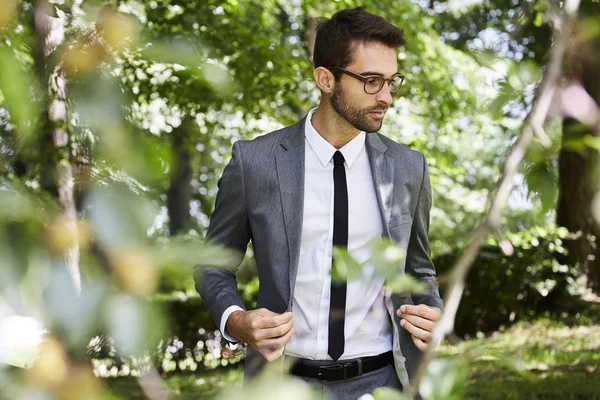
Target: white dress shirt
367,324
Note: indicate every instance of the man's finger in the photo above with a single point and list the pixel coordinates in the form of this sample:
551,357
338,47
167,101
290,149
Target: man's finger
415,331
421,345
421,310
420,322
271,354
276,343
271,320
278,331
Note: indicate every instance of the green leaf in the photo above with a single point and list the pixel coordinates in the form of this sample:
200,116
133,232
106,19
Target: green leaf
387,258
541,180
526,73
506,93
177,256
500,358
592,142
578,145
16,84
446,379
485,57
344,266
538,19
589,30
405,284
136,325
177,51
387,393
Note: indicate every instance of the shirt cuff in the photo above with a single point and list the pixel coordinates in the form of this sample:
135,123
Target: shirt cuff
226,315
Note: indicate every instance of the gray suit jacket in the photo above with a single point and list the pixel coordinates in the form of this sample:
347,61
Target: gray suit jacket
260,198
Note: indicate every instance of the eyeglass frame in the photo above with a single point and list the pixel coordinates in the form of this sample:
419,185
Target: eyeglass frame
364,79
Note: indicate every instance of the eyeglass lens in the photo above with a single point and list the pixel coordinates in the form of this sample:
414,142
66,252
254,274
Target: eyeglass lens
374,84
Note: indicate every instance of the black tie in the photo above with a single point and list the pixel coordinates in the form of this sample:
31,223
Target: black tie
337,304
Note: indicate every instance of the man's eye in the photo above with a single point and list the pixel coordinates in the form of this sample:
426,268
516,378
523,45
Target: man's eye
373,81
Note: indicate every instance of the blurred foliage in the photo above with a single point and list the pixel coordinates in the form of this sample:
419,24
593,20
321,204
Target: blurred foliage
148,80
501,290
538,359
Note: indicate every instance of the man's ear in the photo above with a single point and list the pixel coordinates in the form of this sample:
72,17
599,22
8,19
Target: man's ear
324,79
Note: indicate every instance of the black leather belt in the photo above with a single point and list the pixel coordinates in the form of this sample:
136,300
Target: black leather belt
343,369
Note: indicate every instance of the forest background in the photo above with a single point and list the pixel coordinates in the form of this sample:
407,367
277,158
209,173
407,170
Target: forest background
117,118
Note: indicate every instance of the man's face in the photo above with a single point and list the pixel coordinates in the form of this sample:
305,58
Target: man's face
365,111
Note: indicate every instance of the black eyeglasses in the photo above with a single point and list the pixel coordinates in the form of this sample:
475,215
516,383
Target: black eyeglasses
374,83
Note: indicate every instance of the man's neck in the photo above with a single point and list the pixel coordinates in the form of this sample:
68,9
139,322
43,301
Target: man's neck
332,127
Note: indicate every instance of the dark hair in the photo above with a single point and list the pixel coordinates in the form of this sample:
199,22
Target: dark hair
338,36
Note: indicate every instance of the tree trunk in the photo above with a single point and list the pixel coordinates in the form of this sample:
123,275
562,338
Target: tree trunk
57,176
180,191
579,172
578,184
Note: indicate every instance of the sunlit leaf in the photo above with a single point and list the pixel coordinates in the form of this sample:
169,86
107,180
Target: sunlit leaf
500,358
270,385
177,256
8,12
527,72
218,78
120,218
177,50
541,179
135,269
593,142
486,57
16,84
81,384
589,30
405,283
135,325
506,93
51,366
386,393
73,316
63,233
20,339
344,266
387,258
118,30
445,379
18,203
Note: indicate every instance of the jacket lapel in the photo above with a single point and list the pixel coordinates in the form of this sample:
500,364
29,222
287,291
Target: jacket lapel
382,170
290,175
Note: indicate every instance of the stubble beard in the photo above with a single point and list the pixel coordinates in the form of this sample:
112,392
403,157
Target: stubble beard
356,117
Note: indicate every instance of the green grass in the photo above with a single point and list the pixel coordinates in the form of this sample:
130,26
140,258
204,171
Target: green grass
542,360
198,386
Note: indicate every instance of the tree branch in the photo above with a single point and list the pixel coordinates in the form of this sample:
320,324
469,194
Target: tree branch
491,222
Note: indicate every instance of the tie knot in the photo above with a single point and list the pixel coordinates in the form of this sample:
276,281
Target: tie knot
338,159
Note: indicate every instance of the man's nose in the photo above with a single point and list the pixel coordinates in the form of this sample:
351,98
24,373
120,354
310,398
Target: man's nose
384,95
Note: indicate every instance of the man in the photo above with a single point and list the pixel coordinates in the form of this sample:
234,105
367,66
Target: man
329,180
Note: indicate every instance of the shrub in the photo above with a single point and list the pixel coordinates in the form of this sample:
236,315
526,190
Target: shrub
501,288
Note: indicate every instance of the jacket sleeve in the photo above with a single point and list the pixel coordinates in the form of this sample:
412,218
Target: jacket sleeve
229,227
418,259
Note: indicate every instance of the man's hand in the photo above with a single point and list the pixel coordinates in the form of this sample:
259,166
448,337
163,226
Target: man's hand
264,330
419,321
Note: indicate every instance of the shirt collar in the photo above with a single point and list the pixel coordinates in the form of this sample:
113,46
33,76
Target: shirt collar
325,151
